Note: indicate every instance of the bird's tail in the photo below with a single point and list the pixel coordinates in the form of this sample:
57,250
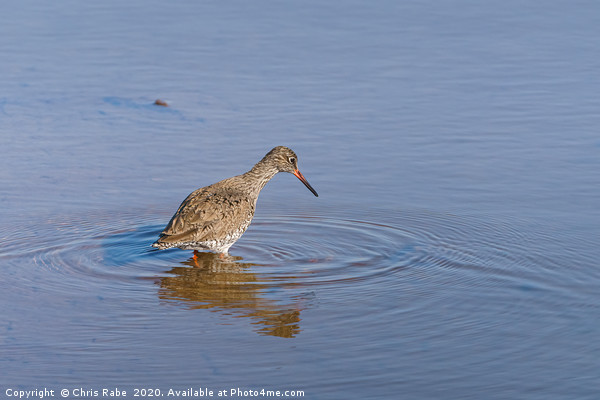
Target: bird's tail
161,245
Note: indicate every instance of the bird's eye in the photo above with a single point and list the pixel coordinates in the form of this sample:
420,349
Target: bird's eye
292,160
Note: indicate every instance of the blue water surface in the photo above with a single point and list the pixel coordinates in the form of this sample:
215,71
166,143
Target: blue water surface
452,252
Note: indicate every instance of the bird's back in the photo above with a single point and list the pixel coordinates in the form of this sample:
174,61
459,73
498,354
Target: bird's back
212,217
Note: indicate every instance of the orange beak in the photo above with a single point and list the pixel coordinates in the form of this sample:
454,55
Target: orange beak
303,180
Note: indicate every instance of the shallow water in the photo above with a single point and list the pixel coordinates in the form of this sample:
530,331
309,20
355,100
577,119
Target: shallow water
452,252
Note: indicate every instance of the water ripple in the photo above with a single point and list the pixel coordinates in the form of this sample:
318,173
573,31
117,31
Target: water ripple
281,264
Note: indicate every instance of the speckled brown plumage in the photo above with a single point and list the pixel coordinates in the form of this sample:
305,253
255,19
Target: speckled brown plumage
215,217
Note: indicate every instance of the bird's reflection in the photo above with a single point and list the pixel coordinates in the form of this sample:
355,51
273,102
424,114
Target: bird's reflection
228,285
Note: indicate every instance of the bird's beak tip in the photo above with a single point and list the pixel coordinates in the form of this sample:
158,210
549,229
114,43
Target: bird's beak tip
303,180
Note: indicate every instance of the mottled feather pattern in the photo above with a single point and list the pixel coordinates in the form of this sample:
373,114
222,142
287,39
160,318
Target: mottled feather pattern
218,214
214,217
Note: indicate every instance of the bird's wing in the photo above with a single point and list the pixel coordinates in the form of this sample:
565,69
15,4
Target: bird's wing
209,214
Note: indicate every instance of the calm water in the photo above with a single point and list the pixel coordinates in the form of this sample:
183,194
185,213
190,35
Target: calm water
453,251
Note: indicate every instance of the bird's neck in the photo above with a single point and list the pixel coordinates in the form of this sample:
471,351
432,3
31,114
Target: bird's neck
260,174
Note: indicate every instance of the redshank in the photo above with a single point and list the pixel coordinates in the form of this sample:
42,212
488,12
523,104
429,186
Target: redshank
215,217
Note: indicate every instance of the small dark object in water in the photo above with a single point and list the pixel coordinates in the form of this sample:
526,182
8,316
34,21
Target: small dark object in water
160,102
